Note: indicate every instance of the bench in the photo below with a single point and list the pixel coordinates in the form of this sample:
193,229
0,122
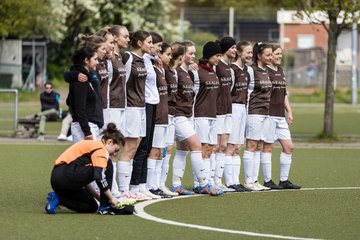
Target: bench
27,127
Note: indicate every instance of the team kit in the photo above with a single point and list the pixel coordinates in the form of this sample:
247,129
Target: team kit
137,102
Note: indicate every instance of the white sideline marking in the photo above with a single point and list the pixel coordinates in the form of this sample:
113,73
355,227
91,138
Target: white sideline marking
139,209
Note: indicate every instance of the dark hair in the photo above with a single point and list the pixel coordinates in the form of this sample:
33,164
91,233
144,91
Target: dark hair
111,132
275,46
156,38
48,83
81,54
258,48
93,41
104,33
240,47
177,50
115,29
139,35
164,46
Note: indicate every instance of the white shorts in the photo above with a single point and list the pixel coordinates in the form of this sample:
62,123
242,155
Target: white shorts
258,127
170,133
223,124
205,128
117,116
237,135
135,122
184,128
279,130
78,134
159,139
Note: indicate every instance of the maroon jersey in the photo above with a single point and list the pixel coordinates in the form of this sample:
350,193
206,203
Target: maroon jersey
171,79
259,99
117,85
185,94
241,82
162,108
102,72
223,106
205,100
135,85
278,94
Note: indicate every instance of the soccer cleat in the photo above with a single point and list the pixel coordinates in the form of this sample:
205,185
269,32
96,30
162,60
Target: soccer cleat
52,203
270,184
160,193
208,189
249,187
181,190
108,210
224,188
150,194
140,197
237,188
259,187
288,185
168,192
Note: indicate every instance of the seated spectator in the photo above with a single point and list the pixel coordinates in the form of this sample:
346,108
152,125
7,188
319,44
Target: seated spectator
50,108
65,133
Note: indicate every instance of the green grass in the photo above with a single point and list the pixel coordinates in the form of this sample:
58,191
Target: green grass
327,214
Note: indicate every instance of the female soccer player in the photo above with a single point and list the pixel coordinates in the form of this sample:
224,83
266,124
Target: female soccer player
239,97
257,123
279,103
77,167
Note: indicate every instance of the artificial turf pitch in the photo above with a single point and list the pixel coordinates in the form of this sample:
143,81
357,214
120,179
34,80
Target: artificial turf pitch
332,213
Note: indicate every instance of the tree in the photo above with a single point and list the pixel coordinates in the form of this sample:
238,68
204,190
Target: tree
334,16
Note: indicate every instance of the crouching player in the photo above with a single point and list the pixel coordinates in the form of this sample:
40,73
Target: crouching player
77,167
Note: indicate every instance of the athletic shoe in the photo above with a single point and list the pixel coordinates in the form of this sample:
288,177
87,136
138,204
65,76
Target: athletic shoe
237,188
288,185
181,190
52,203
140,197
270,184
41,138
131,196
207,189
109,210
150,194
160,193
70,138
123,201
224,188
168,192
259,187
61,137
196,189
249,187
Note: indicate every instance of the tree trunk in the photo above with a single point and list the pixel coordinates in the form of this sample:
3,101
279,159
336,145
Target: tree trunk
330,73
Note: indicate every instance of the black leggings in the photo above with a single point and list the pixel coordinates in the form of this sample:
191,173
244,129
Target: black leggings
71,189
139,173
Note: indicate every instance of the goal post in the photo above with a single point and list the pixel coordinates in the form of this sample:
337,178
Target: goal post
9,112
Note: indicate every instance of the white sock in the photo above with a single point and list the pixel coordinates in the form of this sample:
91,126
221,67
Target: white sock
212,169
179,164
228,171
151,174
158,168
236,169
164,170
123,175
219,169
195,180
114,187
198,166
256,166
135,188
248,166
207,166
266,165
285,163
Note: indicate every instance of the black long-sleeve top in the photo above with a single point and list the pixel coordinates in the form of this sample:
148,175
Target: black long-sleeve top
84,98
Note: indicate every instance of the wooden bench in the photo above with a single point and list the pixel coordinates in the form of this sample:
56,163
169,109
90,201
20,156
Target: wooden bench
27,127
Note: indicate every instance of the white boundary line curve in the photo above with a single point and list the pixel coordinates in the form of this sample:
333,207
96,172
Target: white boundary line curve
140,212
